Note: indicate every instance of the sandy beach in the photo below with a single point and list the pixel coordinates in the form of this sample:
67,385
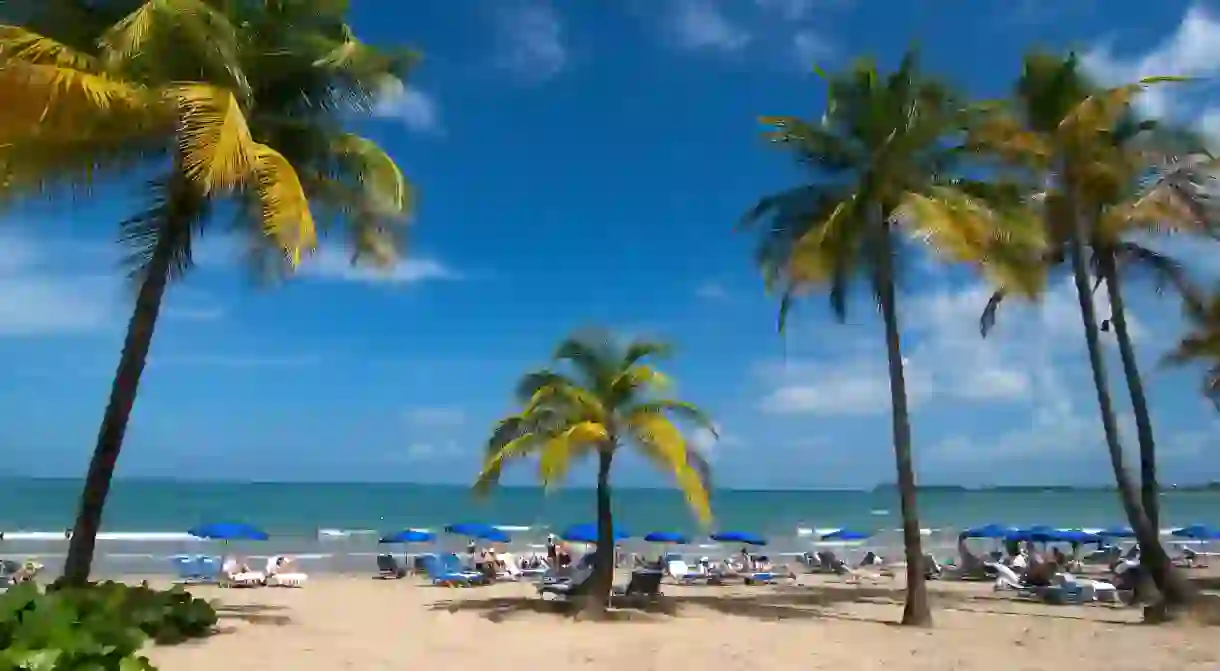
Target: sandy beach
363,623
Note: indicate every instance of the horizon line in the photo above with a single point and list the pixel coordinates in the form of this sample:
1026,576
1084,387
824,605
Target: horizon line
856,489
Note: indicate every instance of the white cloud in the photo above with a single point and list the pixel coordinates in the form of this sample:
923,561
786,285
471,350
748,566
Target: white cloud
945,356
415,109
1193,50
711,291
701,25
435,416
425,451
335,264
531,41
37,300
788,10
809,48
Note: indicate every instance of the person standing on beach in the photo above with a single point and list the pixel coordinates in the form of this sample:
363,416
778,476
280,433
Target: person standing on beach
552,552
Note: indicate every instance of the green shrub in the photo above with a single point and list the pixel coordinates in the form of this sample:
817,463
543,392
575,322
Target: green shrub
101,626
60,632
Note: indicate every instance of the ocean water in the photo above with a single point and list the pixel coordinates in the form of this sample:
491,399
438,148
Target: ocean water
335,526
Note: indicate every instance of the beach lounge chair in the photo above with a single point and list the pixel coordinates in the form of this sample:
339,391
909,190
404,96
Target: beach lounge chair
283,572
439,575
759,577
569,587
453,564
644,586
388,567
232,574
683,574
194,569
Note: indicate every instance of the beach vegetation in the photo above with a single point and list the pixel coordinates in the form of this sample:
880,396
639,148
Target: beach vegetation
1102,180
885,150
96,626
602,395
226,108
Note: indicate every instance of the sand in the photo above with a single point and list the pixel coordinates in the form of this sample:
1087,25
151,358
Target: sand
352,622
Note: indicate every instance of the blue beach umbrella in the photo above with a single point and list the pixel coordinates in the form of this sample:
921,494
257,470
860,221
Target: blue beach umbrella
587,533
743,537
1117,532
1079,536
485,532
228,531
1036,534
667,537
408,536
989,531
1199,532
846,535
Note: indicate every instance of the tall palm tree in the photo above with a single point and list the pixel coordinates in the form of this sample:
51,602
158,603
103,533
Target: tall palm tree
1080,144
1159,179
604,397
877,158
220,100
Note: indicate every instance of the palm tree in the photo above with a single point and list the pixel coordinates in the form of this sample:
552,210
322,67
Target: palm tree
878,157
221,101
604,397
1086,152
1158,186
1202,342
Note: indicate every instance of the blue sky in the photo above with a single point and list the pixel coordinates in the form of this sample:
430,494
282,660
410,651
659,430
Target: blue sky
581,164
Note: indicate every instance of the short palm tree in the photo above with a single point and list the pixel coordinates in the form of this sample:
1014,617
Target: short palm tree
881,155
1086,153
241,102
605,397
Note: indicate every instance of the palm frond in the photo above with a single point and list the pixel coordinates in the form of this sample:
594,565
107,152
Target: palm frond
681,409
64,102
193,26
662,443
19,44
988,317
285,209
218,152
387,189
175,214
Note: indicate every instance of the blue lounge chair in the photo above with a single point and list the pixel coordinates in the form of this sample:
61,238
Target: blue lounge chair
453,564
436,572
196,569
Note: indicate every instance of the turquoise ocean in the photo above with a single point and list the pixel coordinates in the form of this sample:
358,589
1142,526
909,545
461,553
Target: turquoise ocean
334,527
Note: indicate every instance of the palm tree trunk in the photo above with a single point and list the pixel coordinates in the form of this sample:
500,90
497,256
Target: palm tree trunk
602,580
1152,554
917,611
1173,590
1149,489
123,391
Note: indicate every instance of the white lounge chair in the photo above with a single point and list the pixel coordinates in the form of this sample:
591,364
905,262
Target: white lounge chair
231,575
277,576
1006,578
681,572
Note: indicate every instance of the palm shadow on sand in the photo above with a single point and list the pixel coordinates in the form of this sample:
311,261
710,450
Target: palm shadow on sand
767,604
786,603
253,613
